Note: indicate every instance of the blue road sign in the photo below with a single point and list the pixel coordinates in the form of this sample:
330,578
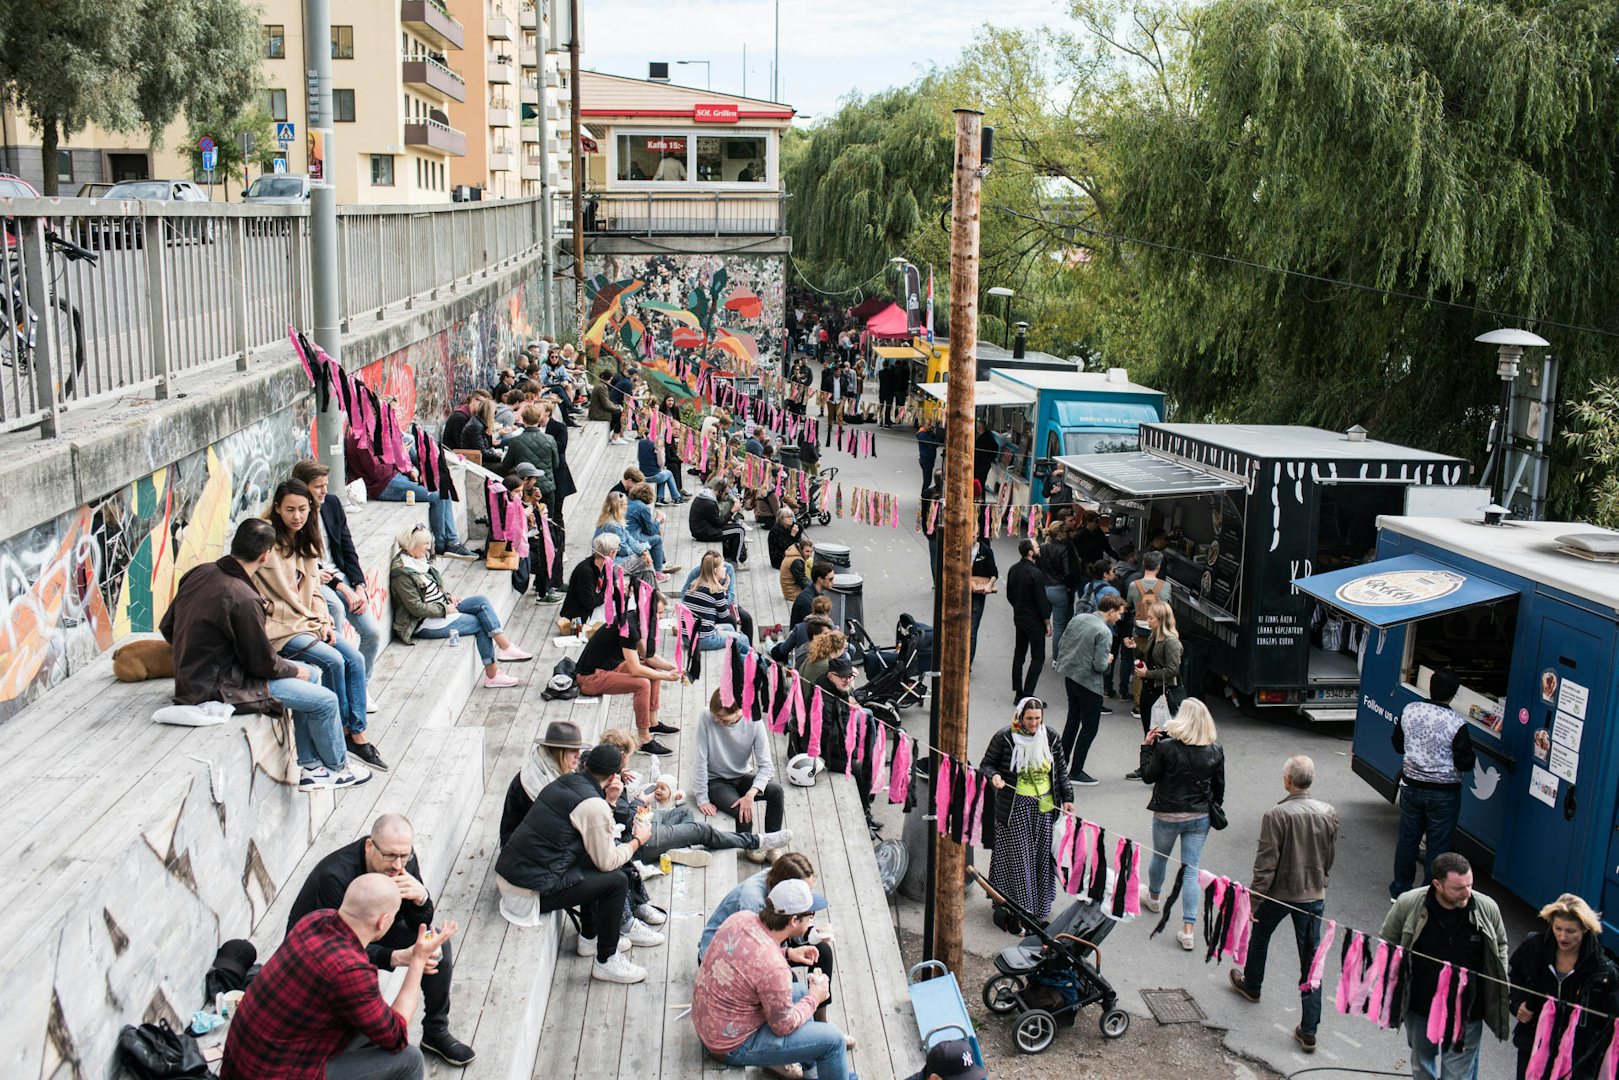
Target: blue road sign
210,158
280,165
284,132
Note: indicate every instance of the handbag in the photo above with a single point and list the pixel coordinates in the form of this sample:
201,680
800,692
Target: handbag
158,1052
1217,818
499,555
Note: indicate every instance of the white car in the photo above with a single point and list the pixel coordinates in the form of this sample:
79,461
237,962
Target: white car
127,233
284,189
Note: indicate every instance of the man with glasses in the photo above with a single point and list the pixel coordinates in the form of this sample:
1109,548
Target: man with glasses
389,851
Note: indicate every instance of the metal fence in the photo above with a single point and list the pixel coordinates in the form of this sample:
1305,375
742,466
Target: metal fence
102,297
684,213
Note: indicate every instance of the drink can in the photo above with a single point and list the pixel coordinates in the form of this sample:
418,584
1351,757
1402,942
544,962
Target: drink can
666,864
410,498
455,637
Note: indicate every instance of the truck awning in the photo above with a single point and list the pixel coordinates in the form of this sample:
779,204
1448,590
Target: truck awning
984,394
1108,415
1403,589
899,352
1109,477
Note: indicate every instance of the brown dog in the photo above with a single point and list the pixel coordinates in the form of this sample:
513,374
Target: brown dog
142,659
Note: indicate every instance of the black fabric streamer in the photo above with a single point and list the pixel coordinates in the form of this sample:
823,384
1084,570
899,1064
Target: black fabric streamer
1220,925
1393,983
1169,908
1098,887
955,817
1127,856
1458,1001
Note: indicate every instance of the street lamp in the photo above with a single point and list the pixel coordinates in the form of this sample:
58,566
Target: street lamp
708,71
1509,346
1006,311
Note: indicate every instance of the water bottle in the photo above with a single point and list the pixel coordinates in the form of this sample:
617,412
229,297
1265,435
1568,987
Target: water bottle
455,638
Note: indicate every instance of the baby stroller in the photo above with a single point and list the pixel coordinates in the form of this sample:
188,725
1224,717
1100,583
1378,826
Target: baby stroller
1049,976
895,677
811,515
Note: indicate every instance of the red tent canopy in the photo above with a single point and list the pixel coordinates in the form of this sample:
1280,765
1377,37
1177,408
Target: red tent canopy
870,306
889,322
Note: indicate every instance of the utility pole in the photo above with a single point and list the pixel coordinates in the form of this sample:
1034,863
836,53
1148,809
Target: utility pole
775,64
323,273
954,633
578,171
544,39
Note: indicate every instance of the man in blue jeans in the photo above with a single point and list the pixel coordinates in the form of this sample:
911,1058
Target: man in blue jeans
662,480
384,483
1434,739
1298,838
222,653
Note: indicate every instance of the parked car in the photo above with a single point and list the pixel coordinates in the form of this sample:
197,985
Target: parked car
126,232
95,189
281,189
14,187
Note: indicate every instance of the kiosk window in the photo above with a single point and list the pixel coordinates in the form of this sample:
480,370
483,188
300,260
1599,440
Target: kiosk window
1475,643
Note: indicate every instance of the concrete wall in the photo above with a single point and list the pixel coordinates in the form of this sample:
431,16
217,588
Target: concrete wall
100,524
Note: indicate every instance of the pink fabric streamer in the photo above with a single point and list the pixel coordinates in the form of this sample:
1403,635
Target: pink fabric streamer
1436,1010
1610,1060
1129,877
609,609
815,724
1318,965
1563,1067
1541,1053
1376,976
941,794
1065,852
1459,1019
850,728
899,777
750,672
648,615
978,819
970,788
1242,923
545,537
727,689
878,781
1349,979
1391,989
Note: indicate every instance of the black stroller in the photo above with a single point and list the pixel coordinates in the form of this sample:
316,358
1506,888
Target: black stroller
895,677
1049,976
811,515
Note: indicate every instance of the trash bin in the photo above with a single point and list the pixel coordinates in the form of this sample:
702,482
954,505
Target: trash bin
835,554
1194,664
789,457
848,601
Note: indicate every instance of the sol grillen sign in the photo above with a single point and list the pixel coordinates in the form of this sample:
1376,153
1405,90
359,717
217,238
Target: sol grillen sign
715,114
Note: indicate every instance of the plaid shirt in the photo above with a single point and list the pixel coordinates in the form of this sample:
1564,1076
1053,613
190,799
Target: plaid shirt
308,1003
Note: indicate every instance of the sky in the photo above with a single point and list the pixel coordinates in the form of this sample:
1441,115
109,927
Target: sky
828,47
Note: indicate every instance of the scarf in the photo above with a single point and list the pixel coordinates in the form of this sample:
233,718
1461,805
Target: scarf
1030,753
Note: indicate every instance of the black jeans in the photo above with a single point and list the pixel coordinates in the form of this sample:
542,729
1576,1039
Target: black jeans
600,897
1030,641
435,987
723,791
1084,718
551,578
978,615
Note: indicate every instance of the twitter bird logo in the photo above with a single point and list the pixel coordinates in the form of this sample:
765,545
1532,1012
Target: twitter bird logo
1484,782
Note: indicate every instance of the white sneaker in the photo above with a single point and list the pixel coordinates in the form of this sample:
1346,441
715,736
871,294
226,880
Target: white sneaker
354,773
650,914
586,946
317,779
643,935
1151,902
1186,940
371,705
778,839
619,970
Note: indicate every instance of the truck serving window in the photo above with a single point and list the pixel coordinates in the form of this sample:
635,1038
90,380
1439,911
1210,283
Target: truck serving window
1092,441
1475,643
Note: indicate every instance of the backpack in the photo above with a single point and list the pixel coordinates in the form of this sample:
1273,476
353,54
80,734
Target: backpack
1150,596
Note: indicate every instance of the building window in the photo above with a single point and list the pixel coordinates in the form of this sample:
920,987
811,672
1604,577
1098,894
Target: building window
652,157
276,102
342,43
64,166
382,170
275,41
343,106
731,159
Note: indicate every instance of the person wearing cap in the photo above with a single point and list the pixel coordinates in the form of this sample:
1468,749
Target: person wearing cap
951,1059
390,850
567,851
744,1005
552,755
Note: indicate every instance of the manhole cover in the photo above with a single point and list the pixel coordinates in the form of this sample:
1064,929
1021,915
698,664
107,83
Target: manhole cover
1173,1006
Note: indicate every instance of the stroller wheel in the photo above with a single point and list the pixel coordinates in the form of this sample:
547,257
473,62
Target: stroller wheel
1035,1030
1000,993
1114,1022
824,517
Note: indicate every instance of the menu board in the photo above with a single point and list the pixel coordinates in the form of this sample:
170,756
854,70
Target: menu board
1223,575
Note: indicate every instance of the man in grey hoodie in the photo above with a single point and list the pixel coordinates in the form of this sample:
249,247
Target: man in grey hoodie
1086,653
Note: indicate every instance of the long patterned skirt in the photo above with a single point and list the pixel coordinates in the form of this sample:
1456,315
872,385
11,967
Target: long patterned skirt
1021,866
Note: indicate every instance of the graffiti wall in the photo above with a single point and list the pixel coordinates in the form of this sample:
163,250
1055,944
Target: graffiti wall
75,586
664,308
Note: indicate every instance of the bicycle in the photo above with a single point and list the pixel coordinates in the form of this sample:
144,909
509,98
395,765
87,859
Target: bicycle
22,321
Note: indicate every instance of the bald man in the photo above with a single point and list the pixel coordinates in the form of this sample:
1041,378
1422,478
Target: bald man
389,851
318,996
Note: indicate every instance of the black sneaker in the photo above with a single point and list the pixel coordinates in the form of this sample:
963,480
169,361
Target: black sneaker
1106,711
458,551
655,748
1133,774
1083,779
366,752
660,728
449,1048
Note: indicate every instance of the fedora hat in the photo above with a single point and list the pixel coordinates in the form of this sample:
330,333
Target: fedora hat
564,735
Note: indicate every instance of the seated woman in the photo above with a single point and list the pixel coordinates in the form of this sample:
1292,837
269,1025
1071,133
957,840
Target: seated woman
792,648
587,584
712,603
784,534
298,623
633,557
645,525
823,649
424,608
554,754
479,431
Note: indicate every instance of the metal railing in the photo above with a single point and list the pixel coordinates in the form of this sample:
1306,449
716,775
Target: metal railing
101,298
678,213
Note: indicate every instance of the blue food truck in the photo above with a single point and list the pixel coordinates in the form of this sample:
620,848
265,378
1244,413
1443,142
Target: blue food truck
1527,615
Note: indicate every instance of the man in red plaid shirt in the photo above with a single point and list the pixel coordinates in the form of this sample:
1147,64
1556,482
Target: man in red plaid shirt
318,994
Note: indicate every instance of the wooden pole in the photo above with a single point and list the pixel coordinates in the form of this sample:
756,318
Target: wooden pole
576,156
955,630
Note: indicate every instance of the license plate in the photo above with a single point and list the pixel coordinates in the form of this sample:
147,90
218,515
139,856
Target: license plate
1348,693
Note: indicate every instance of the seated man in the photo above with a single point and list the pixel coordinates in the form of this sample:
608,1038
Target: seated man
664,482
318,996
735,772
631,477
820,585
390,851
616,661
342,578
709,523
222,652
783,534
566,851
795,568
384,483
744,1005
798,639
587,583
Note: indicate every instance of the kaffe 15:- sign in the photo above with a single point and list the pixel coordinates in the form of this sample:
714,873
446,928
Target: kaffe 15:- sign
715,114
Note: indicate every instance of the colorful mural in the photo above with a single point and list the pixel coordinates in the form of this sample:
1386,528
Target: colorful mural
663,309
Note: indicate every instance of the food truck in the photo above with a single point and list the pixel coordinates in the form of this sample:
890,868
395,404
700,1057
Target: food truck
1241,510
1039,413
1527,616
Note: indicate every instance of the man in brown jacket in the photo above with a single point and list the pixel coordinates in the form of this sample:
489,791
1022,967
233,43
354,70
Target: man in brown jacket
795,568
222,653
1297,838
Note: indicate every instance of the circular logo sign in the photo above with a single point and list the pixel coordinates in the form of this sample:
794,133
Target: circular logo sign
1399,587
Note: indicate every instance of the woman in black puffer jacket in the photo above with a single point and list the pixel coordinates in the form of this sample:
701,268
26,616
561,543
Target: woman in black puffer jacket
1570,947
1186,767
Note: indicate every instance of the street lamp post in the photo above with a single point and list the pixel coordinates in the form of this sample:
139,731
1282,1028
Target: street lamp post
1510,345
1006,311
708,71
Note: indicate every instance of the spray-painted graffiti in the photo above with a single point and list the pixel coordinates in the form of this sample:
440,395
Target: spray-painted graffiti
72,587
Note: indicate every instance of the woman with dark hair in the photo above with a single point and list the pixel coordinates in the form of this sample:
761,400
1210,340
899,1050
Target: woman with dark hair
1030,778
298,623
671,440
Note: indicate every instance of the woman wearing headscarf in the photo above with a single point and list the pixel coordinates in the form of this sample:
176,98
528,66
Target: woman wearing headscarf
1030,778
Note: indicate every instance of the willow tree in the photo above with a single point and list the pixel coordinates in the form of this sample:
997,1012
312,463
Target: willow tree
1454,155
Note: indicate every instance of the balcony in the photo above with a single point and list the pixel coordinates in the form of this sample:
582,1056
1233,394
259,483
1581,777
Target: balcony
502,116
421,73
433,21
502,161
529,19
436,136
502,72
686,213
531,168
499,28
531,94
530,56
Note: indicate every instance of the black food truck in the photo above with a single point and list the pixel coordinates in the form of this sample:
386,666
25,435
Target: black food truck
1239,511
